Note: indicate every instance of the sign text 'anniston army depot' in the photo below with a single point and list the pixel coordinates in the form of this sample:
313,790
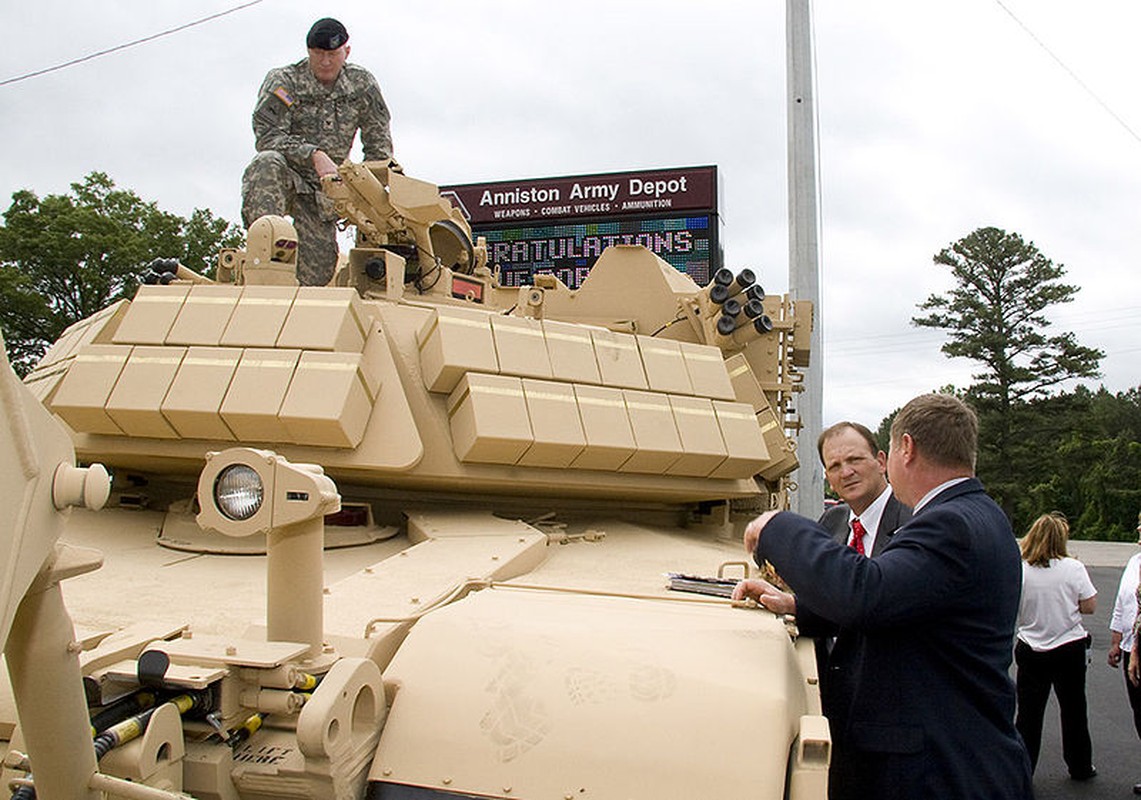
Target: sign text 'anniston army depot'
562,225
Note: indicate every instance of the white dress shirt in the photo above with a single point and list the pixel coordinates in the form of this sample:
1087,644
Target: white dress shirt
944,485
870,519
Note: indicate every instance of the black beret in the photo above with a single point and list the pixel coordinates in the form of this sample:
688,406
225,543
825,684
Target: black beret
326,34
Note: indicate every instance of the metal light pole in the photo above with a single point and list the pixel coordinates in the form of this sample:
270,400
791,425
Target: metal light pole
804,243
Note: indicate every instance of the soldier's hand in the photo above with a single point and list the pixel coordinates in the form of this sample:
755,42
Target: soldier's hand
323,164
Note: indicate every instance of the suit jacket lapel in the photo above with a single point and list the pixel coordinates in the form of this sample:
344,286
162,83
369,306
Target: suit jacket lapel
890,522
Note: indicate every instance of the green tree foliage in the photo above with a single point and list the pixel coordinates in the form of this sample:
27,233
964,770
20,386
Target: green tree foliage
996,316
64,257
1088,446
1078,453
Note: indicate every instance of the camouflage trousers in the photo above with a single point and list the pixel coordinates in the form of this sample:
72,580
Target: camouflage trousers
271,186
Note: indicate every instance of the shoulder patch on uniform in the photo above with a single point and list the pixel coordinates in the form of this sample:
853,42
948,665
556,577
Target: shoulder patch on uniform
284,96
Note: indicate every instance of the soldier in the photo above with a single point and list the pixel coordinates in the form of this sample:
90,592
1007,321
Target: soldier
306,118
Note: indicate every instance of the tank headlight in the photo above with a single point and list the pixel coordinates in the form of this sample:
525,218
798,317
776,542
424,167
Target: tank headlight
238,492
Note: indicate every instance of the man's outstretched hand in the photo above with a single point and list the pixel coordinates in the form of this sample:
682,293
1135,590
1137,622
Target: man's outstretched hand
766,595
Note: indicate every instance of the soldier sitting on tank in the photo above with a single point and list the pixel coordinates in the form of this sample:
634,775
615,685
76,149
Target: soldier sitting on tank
305,121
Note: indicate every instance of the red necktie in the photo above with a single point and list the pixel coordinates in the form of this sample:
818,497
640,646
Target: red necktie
858,534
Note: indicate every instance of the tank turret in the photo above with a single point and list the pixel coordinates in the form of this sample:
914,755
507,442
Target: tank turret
441,380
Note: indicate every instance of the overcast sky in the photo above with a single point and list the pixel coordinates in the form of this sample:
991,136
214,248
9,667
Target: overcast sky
935,119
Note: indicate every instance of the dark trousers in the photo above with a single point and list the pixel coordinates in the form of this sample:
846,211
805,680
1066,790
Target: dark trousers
1064,670
1134,693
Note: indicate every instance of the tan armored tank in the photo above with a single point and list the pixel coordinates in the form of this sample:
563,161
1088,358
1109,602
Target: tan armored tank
411,535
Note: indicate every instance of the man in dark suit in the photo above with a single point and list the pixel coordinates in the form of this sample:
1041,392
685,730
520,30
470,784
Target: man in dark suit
856,470
925,704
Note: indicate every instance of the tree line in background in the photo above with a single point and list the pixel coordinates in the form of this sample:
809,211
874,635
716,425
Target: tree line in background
65,257
1040,449
1076,452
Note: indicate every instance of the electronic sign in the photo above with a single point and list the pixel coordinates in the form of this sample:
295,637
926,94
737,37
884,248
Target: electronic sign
562,225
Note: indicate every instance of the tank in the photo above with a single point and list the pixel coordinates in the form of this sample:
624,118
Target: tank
410,535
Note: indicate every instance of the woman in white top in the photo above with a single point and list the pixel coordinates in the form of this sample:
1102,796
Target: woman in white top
1052,643
1121,631
1121,626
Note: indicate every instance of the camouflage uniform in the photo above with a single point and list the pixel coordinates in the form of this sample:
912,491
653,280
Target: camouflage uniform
296,115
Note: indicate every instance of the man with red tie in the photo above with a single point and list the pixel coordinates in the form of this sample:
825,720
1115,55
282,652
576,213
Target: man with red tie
856,470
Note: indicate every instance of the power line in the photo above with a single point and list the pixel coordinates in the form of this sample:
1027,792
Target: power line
1070,72
109,50
920,338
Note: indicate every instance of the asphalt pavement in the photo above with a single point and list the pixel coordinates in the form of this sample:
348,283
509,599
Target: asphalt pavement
1116,748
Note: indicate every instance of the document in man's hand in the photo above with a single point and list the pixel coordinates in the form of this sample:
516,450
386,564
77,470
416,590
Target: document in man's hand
717,587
